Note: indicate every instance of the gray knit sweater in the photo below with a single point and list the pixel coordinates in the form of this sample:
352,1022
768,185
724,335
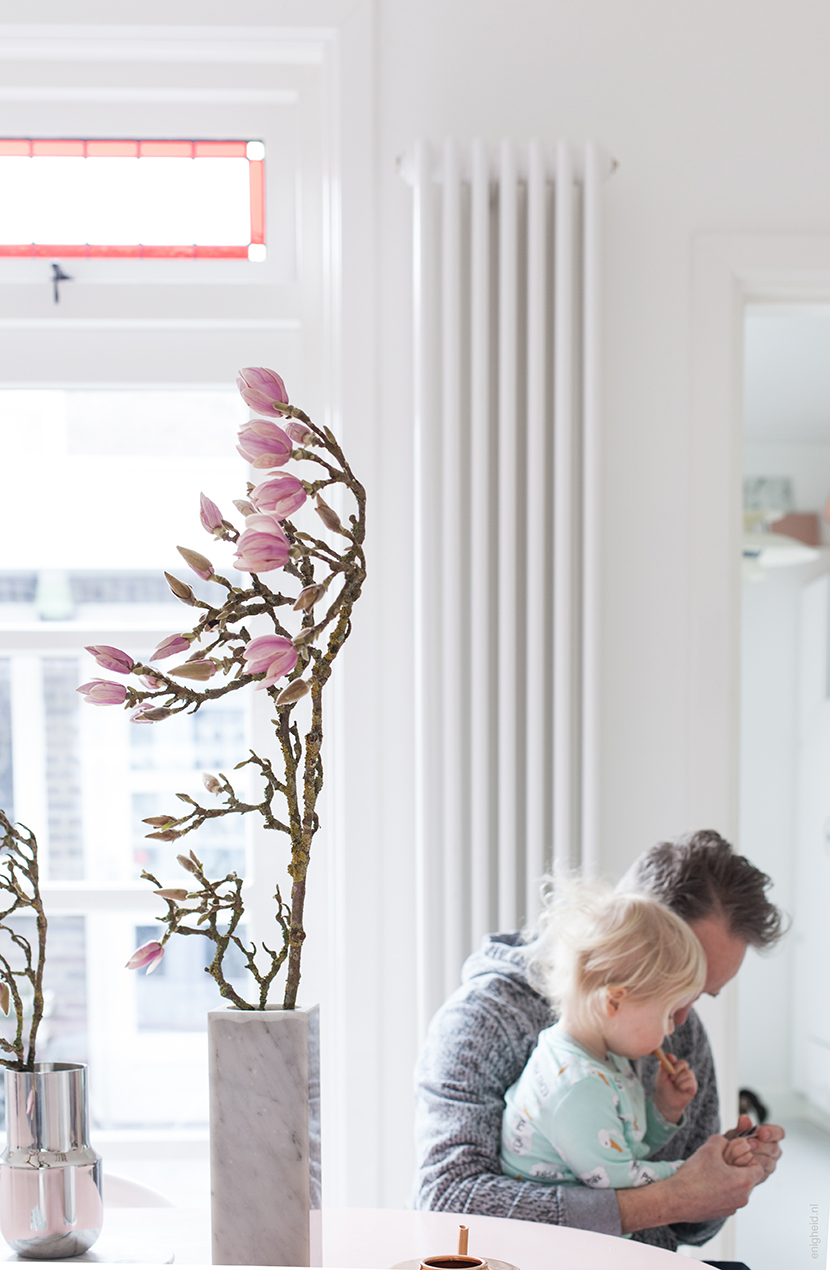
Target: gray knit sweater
476,1047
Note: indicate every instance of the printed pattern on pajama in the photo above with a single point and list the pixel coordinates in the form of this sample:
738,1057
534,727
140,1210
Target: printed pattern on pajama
573,1119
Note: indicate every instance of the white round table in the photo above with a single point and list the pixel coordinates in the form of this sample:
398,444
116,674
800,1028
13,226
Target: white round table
379,1238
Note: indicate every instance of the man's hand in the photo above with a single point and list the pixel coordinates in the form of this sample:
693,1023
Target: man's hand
672,1094
704,1188
764,1146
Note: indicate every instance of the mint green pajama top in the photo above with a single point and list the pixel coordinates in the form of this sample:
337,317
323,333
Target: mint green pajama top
573,1119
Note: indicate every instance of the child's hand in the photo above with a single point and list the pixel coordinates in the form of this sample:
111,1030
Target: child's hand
673,1093
738,1152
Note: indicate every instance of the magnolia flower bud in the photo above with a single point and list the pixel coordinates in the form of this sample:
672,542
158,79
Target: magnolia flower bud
262,389
280,495
170,645
148,955
242,505
111,658
199,670
210,515
299,433
165,835
103,692
328,515
159,822
172,893
180,589
200,564
296,689
262,547
187,864
263,444
211,784
309,596
152,682
148,713
5,998
304,636
273,654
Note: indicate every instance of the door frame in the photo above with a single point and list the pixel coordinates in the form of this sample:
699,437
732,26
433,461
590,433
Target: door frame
728,272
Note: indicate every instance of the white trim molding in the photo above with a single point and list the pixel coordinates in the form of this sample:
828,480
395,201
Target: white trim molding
729,271
286,46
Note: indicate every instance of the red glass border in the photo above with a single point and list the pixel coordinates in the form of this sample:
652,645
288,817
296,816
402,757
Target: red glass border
109,147
89,251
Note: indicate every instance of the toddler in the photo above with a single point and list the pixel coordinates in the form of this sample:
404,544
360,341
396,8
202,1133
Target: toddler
616,967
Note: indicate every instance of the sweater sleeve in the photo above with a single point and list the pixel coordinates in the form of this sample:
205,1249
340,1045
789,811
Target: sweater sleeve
590,1137
476,1047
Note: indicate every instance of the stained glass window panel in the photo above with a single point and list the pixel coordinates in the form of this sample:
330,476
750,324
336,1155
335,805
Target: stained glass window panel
132,198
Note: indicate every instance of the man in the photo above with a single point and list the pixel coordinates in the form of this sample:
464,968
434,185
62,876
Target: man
481,1038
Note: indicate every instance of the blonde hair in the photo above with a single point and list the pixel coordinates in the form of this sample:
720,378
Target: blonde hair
595,939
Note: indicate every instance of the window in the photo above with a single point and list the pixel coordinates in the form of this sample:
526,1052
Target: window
84,778
129,360
126,198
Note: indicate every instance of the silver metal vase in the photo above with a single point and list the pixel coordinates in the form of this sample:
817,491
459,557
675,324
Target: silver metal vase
50,1177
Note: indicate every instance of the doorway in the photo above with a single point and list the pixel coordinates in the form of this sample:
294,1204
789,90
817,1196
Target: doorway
785,750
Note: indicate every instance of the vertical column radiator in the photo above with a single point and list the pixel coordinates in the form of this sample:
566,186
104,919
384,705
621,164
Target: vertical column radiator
506,364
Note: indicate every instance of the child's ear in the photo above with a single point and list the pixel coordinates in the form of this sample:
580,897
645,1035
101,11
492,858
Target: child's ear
615,996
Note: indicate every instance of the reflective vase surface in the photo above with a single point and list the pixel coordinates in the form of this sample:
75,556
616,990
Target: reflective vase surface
50,1177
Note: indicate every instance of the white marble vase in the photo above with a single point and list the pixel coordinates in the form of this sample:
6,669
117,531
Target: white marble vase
265,1136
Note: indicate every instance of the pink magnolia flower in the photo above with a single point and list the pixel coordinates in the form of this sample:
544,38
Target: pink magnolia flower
148,955
264,523
263,444
263,390
151,681
273,654
280,495
103,692
262,547
169,646
111,658
209,514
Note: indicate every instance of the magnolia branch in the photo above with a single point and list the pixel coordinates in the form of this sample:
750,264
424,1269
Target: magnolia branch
288,667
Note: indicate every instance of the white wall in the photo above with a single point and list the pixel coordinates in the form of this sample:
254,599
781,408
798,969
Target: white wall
717,113
712,111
